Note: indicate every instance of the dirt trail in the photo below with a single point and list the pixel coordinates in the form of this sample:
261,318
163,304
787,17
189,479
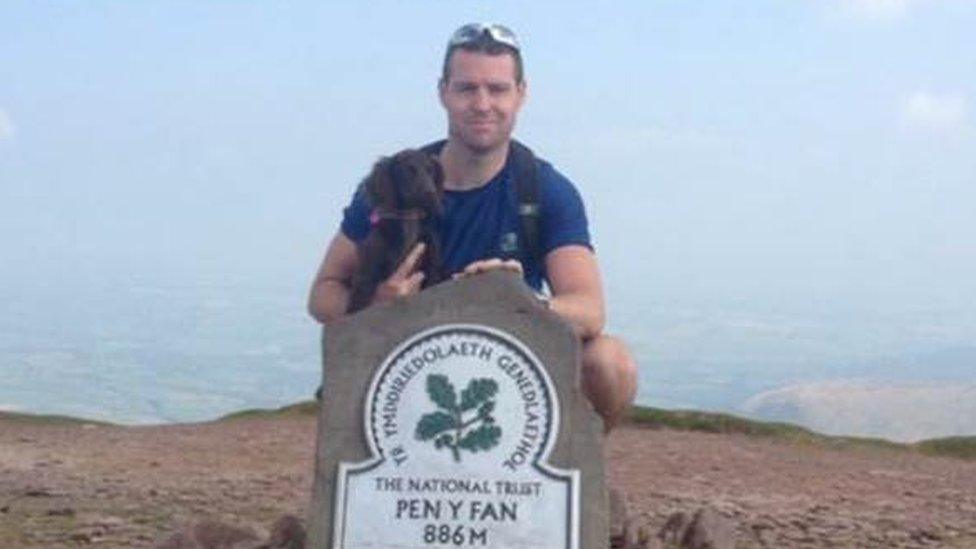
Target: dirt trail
72,485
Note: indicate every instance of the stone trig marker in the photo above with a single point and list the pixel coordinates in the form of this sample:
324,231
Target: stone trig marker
455,419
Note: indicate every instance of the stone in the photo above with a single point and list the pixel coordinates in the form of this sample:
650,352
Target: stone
216,534
625,533
455,417
178,540
83,538
286,533
709,530
673,531
705,529
211,535
925,535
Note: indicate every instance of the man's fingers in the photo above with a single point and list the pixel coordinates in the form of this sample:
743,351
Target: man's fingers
472,268
409,263
492,264
414,282
482,266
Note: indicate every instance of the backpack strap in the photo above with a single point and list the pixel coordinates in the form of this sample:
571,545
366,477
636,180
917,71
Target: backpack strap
525,171
527,191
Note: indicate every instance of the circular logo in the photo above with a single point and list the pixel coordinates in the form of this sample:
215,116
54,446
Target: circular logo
462,396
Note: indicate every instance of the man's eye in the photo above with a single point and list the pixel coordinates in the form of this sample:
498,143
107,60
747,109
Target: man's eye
498,90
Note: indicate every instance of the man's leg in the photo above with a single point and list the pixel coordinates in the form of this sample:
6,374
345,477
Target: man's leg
609,377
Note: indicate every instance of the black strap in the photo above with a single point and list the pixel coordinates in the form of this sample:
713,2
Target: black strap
526,175
527,190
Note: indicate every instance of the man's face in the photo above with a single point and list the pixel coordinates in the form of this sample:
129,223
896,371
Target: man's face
482,99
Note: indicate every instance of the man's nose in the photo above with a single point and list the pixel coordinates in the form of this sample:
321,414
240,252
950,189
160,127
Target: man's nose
481,102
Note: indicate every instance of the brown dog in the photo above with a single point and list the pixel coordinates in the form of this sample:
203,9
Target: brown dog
405,192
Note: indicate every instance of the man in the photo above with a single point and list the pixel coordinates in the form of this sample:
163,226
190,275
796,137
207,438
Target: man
482,89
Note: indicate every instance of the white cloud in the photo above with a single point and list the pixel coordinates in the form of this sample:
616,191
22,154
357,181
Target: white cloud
7,128
903,412
934,112
878,9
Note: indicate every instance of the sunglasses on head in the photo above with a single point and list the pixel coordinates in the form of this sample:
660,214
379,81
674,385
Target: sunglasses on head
472,32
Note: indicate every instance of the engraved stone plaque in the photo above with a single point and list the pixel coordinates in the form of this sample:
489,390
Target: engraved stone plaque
454,419
460,420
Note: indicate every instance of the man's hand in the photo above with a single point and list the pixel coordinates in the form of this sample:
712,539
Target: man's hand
493,264
405,280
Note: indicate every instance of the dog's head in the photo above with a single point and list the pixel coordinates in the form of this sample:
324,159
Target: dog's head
407,185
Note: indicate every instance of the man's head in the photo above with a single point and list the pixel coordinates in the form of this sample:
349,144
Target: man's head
486,38
482,86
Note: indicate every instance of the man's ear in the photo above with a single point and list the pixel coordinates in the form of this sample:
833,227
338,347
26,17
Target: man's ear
441,91
522,88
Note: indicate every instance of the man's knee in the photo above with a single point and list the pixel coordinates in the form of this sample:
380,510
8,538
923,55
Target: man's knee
611,356
609,378
609,371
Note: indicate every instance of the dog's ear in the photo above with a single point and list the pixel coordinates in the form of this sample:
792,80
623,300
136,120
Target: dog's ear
437,173
380,185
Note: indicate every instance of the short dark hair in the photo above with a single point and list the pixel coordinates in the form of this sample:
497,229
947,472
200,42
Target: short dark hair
489,46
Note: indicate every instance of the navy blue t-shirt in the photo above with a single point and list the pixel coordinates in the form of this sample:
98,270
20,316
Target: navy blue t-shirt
483,223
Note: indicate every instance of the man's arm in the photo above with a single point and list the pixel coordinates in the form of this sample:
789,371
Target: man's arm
577,292
328,299
574,278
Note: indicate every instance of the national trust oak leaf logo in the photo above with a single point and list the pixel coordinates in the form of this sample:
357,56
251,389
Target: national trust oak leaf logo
448,427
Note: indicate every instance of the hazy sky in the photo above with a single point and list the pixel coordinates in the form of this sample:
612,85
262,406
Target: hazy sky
822,150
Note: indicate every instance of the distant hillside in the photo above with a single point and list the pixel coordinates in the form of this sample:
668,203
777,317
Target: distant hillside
642,416
709,422
304,408
45,418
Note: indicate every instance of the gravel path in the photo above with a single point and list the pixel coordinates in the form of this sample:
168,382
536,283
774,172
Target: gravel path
72,485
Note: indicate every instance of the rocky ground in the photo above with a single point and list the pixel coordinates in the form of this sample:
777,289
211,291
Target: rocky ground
65,484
